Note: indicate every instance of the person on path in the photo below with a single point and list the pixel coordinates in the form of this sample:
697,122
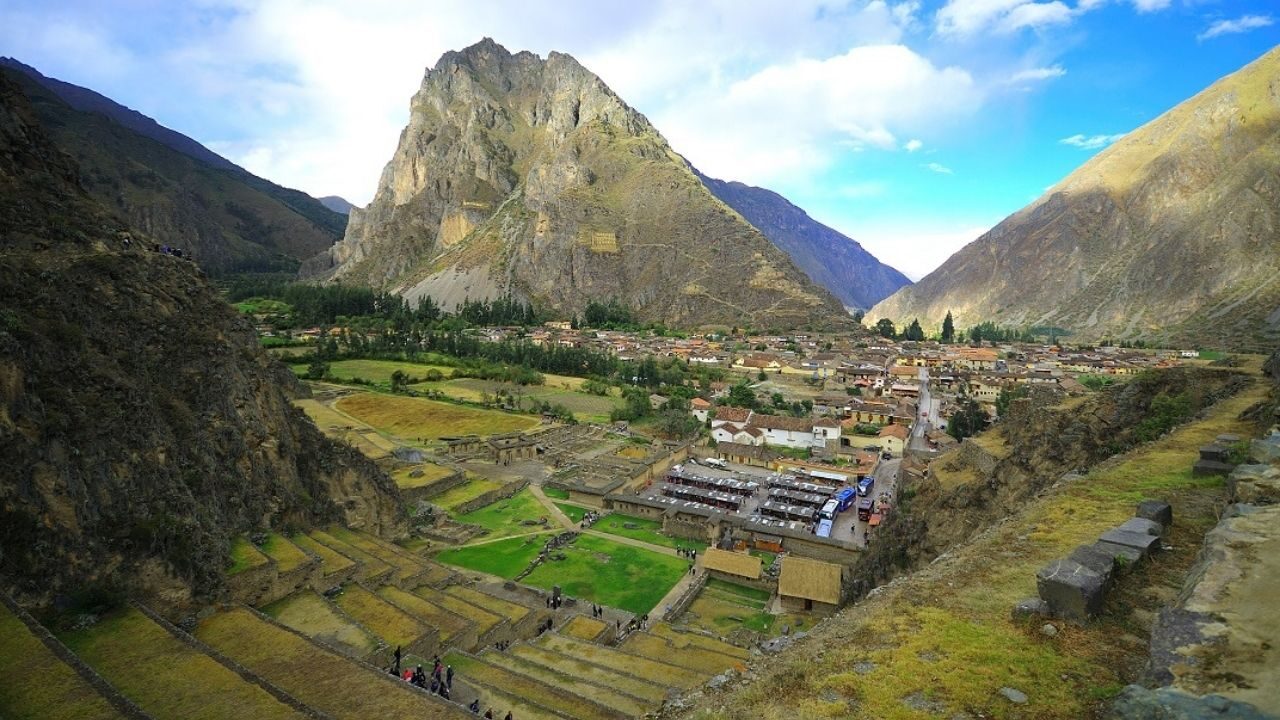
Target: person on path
489,713
474,707
397,672
508,717
449,677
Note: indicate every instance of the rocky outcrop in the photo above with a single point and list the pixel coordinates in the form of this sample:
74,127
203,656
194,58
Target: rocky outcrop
829,258
1171,234
141,425
529,176
174,189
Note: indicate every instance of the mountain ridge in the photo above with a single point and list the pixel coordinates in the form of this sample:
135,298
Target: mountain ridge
1171,234
530,176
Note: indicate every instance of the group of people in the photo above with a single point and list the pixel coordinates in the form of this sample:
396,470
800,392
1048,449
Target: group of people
545,626
441,679
475,708
589,519
555,601
502,645
597,611
689,553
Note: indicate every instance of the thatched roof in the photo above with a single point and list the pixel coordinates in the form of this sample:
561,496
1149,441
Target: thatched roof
731,563
810,579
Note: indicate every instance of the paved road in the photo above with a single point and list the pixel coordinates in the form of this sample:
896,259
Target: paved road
926,414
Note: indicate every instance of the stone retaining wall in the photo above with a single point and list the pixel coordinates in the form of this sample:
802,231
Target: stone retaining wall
491,497
435,489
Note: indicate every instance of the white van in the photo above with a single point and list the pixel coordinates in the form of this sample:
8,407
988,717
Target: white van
829,510
824,529
715,463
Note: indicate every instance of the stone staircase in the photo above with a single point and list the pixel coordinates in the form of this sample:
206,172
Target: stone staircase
315,650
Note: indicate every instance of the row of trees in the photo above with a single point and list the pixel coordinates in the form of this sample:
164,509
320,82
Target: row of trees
985,331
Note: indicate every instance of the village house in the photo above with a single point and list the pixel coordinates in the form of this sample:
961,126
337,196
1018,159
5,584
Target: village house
893,438
810,585
700,408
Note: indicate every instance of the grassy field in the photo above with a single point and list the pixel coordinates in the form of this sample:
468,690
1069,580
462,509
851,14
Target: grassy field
611,574
555,493
448,624
608,657
723,607
583,628
412,418
645,530
430,473
504,558
165,676
946,634
507,517
385,620
331,561
36,685
376,371
584,406
469,490
244,556
602,676
287,555
309,614
573,512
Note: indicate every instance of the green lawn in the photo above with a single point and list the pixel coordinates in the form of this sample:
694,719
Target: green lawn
555,493
469,490
244,556
377,371
506,517
504,558
611,574
584,406
574,512
649,531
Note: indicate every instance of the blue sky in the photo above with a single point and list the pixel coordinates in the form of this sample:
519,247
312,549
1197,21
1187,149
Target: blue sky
910,125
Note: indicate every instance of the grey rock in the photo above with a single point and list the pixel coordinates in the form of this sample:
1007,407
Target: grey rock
1156,510
1030,607
864,667
1139,703
1142,525
1073,591
1099,560
1014,696
921,702
1254,484
1142,542
1124,555
1049,630
1265,449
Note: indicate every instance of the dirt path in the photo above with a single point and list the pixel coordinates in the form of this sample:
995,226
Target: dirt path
557,513
659,611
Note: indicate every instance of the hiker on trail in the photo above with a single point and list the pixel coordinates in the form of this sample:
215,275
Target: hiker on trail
397,666
489,713
449,677
508,717
474,707
435,685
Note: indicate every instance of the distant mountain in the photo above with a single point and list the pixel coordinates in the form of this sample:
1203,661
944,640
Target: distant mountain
1171,234
524,175
828,257
336,204
175,189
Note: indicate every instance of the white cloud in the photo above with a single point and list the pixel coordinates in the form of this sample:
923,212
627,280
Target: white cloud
938,168
784,120
913,145
1090,142
1145,6
915,251
1037,74
970,17
1239,25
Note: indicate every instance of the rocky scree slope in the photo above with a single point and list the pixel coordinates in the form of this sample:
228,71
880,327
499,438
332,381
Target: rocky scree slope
174,189
1041,443
141,425
1172,233
530,176
829,258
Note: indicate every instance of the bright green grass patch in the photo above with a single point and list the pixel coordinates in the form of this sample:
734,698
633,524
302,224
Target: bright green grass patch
288,556
331,561
749,596
767,558
504,558
556,493
466,492
611,574
36,685
411,418
309,614
506,517
427,473
377,371
167,677
244,556
573,512
645,530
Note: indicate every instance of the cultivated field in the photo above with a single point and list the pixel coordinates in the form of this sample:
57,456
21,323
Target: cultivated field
507,517
376,371
611,574
504,558
412,418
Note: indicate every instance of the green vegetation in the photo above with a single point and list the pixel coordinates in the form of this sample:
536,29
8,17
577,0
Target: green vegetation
1097,382
165,676
378,372
427,473
645,530
969,419
507,517
244,556
573,512
504,558
555,493
474,487
723,607
286,555
36,685
414,418
611,574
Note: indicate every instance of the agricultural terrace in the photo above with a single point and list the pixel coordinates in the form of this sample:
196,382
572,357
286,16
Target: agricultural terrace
426,474
410,418
474,487
584,406
645,530
611,574
519,514
724,607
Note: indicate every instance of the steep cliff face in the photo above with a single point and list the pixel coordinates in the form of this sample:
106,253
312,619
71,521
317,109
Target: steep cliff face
829,258
174,189
527,175
140,424
1172,233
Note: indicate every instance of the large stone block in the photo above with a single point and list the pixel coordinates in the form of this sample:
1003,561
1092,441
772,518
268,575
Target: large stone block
1254,484
1123,555
1142,525
1156,510
1205,467
1073,591
1099,560
1142,542
1265,449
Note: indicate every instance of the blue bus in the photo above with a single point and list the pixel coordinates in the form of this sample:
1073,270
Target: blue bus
865,485
845,499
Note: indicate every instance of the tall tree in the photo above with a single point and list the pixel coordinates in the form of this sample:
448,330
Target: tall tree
885,327
914,331
948,329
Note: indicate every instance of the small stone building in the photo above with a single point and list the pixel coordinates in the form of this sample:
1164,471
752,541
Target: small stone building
810,585
731,566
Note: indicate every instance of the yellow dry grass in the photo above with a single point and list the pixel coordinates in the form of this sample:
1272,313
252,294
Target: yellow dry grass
691,658
287,556
643,688
619,661
331,561
385,620
411,418
448,624
430,473
514,612
483,619
311,615
36,685
583,628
